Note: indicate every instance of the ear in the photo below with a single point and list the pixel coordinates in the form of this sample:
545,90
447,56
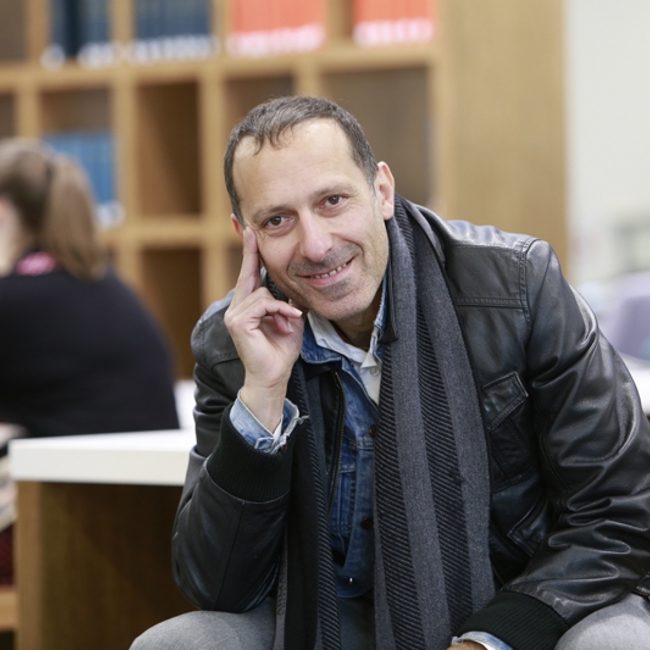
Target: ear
239,229
385,190
4,206
8,214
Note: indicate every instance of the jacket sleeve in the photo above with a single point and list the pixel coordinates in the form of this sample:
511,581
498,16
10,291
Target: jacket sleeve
594,448
230,521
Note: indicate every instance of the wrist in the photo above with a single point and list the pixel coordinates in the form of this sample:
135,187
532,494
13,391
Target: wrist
266,404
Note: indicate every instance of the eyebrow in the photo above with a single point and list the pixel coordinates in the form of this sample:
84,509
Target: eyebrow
330,190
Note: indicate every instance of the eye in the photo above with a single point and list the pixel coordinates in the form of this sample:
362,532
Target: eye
335,199
275,221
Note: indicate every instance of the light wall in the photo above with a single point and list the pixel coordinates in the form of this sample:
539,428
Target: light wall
607,54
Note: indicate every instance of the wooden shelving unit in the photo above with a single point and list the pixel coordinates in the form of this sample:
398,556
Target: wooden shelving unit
434,112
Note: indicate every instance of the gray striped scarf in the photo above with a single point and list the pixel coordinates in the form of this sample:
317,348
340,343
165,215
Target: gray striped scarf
432,487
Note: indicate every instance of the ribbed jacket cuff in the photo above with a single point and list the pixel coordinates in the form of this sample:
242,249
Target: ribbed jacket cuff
246,473
522,621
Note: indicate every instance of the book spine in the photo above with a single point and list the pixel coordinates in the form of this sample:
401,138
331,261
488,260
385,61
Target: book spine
70,27
267,27
96,48
388,22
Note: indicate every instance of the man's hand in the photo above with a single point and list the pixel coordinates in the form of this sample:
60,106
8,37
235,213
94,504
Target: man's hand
268,336
467,645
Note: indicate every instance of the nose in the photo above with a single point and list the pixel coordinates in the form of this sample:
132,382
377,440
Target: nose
316,240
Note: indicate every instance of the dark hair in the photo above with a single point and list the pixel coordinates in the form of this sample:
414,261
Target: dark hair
55,205
270,120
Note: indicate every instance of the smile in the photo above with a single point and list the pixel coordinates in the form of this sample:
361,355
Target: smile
329,274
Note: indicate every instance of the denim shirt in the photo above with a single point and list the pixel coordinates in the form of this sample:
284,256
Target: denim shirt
351,514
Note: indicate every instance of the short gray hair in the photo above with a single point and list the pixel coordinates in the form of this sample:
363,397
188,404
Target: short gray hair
267,122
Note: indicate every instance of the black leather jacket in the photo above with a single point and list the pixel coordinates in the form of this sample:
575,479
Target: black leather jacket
569,445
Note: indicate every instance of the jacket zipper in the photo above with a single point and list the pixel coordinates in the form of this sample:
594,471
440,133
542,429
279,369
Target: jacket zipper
334,476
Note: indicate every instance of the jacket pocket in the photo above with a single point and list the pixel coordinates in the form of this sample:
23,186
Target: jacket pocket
532,529
506,414
501,397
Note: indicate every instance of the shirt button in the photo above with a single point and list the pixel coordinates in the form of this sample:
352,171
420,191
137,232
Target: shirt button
374,371
367,523
350,581
372,431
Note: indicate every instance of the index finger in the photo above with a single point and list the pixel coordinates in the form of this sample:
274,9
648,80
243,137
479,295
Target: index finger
249,276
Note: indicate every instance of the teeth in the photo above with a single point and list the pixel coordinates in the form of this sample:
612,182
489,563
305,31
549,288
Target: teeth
331,273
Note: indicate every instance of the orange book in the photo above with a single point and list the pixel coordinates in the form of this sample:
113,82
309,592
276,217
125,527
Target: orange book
387,22
275,15
265,27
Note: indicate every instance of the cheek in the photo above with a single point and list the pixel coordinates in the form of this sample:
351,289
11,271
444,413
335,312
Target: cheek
275,257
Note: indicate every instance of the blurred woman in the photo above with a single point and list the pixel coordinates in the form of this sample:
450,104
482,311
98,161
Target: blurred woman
78,352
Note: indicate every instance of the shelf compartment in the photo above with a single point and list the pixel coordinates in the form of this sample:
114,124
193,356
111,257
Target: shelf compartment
12,31
76,109
168,150
243,94
77,122
171,286
393,107
7,116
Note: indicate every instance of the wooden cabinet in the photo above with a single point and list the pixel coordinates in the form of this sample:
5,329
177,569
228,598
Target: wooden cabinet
471,125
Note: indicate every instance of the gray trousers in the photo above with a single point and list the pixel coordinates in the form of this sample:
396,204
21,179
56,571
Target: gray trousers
624,625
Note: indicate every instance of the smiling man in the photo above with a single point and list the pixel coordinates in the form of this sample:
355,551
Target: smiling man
410,432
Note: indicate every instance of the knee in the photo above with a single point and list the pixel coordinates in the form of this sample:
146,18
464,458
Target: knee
173,634
623,625
149,640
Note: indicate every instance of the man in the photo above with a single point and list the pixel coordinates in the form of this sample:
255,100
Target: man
410,433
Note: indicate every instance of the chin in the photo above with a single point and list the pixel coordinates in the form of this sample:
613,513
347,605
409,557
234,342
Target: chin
347,309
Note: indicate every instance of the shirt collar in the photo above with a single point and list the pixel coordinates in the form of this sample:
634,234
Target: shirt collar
323,343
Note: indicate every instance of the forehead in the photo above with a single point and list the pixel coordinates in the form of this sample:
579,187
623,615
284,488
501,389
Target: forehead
315,134
310,154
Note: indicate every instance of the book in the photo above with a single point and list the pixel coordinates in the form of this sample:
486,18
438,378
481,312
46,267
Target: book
266,27
65,26
94,151
389,22
172,30
79,29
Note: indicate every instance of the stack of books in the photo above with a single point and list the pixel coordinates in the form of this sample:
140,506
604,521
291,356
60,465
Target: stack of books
265,27
172,30
183,29
95,152
389,22
79,29
164,30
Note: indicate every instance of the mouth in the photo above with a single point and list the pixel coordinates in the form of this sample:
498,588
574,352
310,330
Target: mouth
329,274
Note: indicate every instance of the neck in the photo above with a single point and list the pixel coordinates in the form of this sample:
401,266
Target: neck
10,252
357,330
14,240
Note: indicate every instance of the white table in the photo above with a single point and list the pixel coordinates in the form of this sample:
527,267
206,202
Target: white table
95,515
142,458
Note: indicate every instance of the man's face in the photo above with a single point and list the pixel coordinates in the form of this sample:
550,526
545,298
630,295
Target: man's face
320,229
